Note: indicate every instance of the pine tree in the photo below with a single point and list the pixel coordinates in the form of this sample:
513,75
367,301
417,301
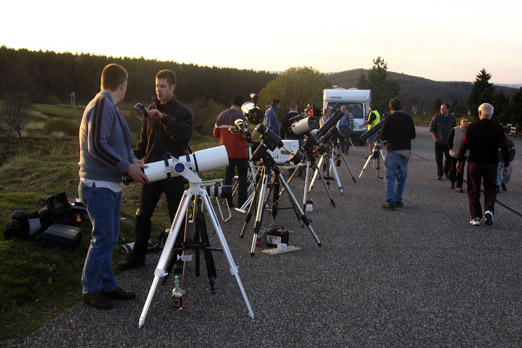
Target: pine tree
482,91
377,81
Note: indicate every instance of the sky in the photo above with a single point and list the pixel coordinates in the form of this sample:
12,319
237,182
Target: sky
440,40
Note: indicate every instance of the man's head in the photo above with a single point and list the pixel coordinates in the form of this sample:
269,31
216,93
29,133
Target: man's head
293,106
395,105
326,112
444,109
464,122
275,103
371,107
165,85
486,110
237,100
344,109
114,79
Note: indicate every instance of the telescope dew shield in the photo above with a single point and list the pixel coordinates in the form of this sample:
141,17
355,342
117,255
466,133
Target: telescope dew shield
199,161
305,125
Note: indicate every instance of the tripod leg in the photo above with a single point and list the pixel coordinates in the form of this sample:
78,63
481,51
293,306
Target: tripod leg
259,213
319,165
307,181
252,204
325,187
226,250
336,174
165,255
346,163
296,206
209,259
366,164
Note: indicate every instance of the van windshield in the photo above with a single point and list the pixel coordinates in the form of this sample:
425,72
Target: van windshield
355,109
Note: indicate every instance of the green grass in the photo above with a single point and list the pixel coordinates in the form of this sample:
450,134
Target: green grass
38,284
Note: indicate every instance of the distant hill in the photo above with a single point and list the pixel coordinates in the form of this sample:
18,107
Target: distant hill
417,88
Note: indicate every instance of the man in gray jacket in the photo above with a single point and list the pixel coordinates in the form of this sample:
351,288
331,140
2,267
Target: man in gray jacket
105,154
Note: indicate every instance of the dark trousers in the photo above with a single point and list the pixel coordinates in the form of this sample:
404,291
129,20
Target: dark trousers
150,195
345,144
456,176
440,151
486,174
241,165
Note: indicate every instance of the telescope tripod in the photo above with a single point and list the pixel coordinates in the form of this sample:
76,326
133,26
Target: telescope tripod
376,154
270,178
327,162
311,164
197,192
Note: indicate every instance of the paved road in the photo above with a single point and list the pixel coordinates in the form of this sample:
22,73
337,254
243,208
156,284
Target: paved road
420,277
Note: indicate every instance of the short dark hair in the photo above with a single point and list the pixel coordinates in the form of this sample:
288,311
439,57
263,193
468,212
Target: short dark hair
395,104
167,74
112,76
274,102
237,100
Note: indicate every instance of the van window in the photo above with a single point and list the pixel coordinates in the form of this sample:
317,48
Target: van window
355,109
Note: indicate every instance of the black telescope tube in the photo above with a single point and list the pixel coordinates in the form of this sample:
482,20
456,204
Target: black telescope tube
331,122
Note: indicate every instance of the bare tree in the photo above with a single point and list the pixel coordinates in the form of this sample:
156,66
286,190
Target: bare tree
15,114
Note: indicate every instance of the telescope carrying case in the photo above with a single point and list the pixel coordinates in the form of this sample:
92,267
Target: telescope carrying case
61,235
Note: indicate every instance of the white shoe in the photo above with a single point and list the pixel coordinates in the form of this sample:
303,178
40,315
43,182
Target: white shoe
475,221
488,217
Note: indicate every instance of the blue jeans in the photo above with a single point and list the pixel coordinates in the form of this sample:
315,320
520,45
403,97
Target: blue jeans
505,179
396,169
103,206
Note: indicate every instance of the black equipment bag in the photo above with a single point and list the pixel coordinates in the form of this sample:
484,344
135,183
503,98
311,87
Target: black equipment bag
57,209
61,235
22,225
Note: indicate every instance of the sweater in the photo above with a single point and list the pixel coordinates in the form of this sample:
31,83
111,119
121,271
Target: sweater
482,139
398,130
105,141
236,145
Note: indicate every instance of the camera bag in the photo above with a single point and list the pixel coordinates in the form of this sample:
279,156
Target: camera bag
22,225
61,235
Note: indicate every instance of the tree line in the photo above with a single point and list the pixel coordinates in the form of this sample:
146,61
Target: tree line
49,76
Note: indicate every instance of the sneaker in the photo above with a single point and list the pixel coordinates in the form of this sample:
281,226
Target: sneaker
475,221
388,206
439,177
119,294
459,189
452,186
488,217
399,204
504,188
130,264
97,300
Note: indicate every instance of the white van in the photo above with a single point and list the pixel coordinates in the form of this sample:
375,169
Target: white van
356,100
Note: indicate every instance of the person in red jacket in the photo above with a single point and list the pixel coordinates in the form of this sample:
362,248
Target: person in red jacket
236,145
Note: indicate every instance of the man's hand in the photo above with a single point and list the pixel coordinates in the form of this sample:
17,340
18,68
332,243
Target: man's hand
135,171
155,114
459,166
505,171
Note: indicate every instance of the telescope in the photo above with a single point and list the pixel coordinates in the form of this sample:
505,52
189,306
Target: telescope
332,121
372,131
186,166
251,111
305,125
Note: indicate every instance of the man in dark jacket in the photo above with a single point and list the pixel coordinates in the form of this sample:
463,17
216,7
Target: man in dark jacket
167,130
441,126
483,139
397,130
